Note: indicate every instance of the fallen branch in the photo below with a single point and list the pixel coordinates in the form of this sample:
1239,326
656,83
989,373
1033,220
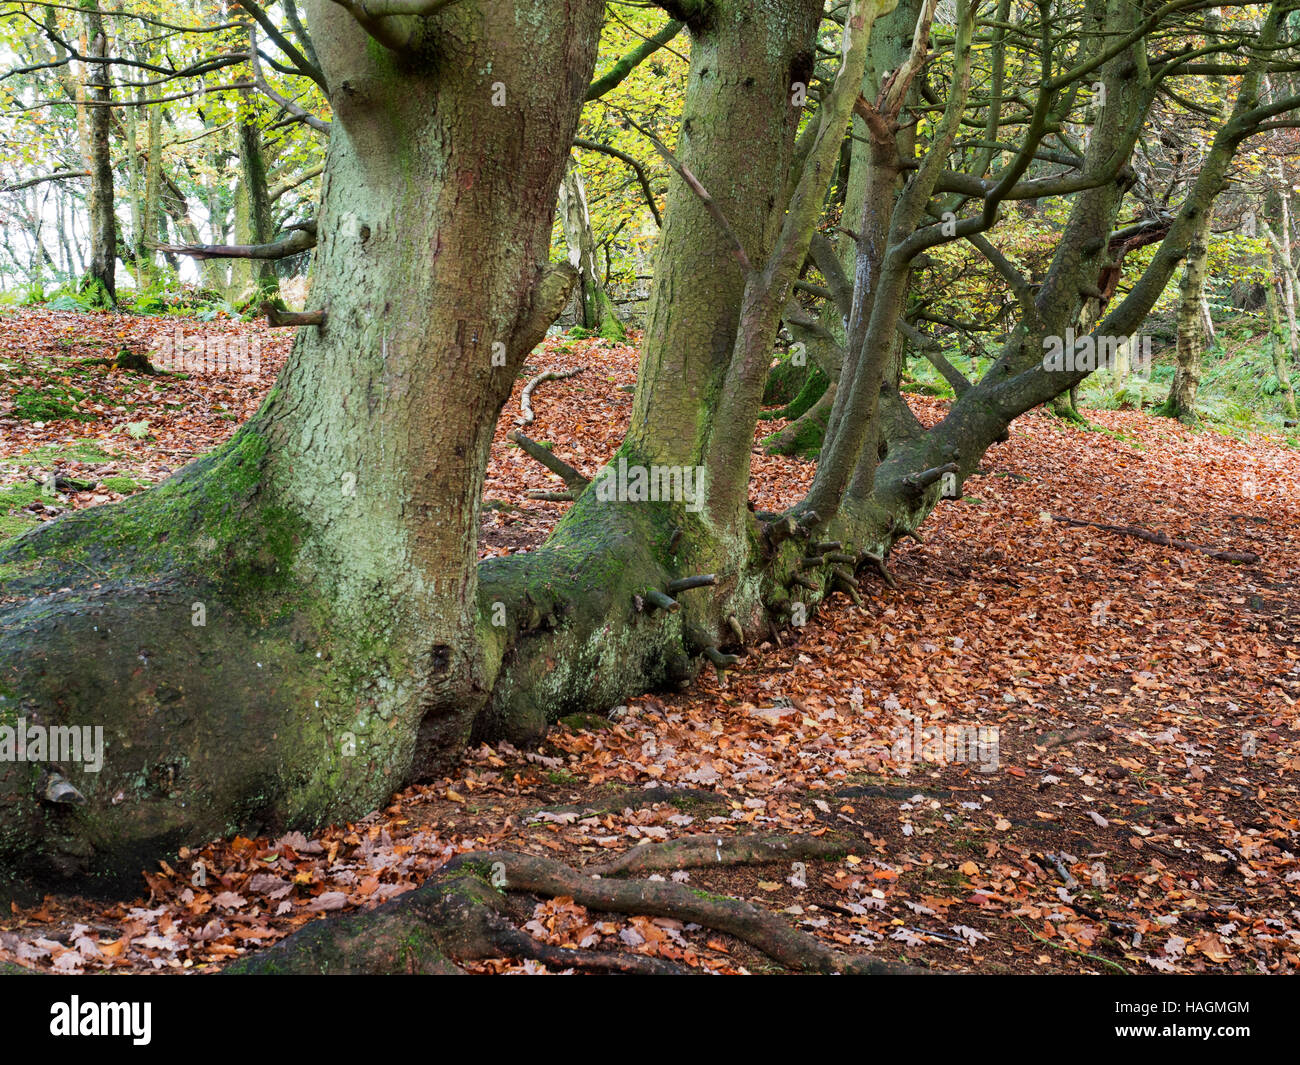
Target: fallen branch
525,400
1070,950
575,481
1136,531
695,852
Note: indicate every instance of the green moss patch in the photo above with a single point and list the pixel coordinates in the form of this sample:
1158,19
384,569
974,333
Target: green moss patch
50,404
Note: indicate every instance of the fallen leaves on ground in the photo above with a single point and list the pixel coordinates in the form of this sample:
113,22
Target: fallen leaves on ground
1134,806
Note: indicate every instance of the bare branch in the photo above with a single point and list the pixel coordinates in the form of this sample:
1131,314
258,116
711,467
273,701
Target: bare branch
59,175
710,204
299,239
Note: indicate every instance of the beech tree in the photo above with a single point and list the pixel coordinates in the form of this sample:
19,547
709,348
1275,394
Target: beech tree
296,624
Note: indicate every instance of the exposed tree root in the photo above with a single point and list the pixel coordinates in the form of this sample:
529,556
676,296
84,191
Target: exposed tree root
878,561
1248,557
460,916
451,919
693,852
760,929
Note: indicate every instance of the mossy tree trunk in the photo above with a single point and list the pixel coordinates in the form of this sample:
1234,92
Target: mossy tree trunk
1181,403
750,70
289,628
1282,353
252,280
1194,325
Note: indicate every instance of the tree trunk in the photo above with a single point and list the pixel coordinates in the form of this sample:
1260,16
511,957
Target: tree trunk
738,126
1283,355
135,194
575,219
252,281
289,626
331,544
871,187
153,218
1181,403
100,281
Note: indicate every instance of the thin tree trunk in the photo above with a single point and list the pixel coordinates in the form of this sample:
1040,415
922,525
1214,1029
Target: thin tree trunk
575,219
1181,403
152,208
252,281
100,280
1282,358
135,193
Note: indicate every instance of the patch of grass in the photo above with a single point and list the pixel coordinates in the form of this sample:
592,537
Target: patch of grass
87,451
50,404
13,519
122,484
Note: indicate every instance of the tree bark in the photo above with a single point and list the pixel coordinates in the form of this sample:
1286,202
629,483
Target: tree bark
351,643
100,281
1282,357
575,218
252,281
1181,403
290,626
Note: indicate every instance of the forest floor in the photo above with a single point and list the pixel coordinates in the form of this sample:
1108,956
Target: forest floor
1118,789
